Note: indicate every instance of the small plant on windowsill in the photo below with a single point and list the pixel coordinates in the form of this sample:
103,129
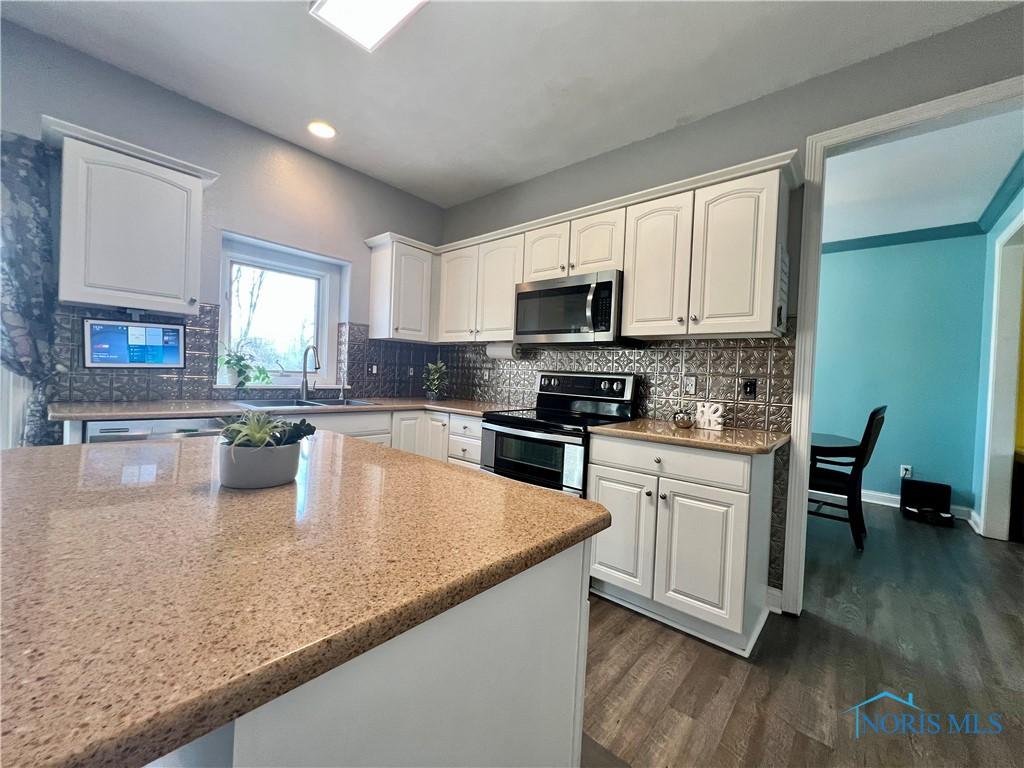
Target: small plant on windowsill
240,367
435,380
258,450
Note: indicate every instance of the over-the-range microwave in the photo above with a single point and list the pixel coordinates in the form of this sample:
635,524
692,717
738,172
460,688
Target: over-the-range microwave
581,309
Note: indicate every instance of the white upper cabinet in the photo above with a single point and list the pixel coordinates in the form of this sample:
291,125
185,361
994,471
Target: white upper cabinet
131,232
458,304
656,277
546,253
500,268
400,291
701,552
739,272
596,242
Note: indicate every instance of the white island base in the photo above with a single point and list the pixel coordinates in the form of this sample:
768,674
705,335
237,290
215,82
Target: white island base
494,681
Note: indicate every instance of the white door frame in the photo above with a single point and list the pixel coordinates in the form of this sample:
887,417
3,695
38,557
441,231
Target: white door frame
993,516
820,146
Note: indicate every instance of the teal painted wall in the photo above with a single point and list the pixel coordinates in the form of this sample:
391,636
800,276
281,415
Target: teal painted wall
1014,208
902,326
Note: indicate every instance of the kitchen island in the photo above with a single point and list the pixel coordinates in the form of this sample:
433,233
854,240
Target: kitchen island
385,608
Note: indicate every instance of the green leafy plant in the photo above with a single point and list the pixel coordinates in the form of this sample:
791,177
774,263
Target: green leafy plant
257,429
242,362
435,378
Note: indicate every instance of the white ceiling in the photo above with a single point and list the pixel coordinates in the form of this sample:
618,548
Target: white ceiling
470,97
935,179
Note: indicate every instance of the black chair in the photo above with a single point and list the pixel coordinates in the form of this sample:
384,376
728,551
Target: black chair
846,483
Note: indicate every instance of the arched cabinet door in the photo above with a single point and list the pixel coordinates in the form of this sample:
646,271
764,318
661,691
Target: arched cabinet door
733,272
546,253
596,242
131,232
656,271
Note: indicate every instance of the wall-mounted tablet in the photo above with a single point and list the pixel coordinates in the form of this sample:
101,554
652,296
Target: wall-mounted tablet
125,344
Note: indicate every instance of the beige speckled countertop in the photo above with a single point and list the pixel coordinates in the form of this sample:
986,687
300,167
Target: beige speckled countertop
143,605
748,441
180,409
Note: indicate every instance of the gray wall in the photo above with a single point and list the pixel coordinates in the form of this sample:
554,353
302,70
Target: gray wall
268,188
982,52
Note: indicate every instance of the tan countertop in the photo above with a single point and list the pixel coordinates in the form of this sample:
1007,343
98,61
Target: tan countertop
747,441
181,409
143,605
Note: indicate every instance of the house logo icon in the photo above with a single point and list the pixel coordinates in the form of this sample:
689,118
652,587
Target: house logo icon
860,717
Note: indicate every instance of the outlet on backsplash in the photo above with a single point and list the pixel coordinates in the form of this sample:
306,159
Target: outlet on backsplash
689,385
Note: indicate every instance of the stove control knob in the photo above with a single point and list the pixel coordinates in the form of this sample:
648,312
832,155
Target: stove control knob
617,386
554,381
543,381
604,385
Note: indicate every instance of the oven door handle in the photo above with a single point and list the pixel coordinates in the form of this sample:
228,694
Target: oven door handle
534,434
590,307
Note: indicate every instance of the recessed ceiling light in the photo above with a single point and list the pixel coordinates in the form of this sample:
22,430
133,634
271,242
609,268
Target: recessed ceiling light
321,130
365,22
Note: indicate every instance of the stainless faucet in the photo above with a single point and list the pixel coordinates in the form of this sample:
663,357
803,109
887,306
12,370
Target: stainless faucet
304,386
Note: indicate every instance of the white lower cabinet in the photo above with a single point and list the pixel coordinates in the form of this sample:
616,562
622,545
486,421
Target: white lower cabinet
374,427
421,432
624,554
700,559
384,439
681,548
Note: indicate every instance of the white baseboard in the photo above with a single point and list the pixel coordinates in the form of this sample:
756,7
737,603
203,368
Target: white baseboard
974,520
893,500
774,599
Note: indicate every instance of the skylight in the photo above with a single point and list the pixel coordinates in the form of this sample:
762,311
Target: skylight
365,22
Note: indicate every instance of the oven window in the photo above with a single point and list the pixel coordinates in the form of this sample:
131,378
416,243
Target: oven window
529,455
553,310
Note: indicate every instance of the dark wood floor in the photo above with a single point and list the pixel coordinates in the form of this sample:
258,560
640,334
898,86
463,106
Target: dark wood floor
935,612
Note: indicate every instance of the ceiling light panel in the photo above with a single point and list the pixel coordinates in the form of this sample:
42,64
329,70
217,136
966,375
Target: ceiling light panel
365,22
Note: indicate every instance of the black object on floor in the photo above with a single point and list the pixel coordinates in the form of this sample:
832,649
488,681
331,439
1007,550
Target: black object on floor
926,502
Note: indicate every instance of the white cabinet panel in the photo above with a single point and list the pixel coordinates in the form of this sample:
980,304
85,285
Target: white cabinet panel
130,232
410,308
624,553
546,253
466,426
732,277
596,242
405,427
656,277
352,423
457,312
500,268
695,465
701,552
434,443
464,448
384,440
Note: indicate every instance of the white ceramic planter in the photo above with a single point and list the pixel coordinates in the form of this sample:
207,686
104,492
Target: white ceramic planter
258,467
231,377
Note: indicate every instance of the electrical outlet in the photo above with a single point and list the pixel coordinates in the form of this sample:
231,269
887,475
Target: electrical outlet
906,470
412,372
689,385
371,369
487,375
749,389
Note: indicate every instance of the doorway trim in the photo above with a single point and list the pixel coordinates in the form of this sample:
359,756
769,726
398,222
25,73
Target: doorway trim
1001,408
819,147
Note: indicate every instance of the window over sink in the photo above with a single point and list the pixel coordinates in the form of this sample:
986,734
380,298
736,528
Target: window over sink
277,300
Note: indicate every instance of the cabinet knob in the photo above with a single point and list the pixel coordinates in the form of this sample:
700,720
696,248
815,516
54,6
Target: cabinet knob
562,267
648,492
465,428
571,265
657,459
680,319
662,496
192,299
463,450
396,328
694,319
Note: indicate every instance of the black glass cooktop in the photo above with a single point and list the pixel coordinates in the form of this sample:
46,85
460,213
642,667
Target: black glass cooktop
570,420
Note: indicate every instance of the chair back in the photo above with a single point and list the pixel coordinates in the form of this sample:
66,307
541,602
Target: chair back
871,432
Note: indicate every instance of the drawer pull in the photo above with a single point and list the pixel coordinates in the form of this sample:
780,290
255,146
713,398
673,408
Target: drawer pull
648,492
662,496
657,459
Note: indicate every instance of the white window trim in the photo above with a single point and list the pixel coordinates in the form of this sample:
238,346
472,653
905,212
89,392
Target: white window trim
331,274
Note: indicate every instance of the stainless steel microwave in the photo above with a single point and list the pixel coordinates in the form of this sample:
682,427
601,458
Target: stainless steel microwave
580,309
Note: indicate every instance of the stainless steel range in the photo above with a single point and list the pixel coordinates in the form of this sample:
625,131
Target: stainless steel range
547,445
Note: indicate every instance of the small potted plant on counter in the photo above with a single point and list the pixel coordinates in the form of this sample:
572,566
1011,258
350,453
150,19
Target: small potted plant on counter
435,380
260,451
241,368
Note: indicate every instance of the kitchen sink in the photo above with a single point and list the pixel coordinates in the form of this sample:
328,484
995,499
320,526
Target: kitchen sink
270,405
337,401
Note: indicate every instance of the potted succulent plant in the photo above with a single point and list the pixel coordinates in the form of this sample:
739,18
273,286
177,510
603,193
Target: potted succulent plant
435,380
241,368
260,451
